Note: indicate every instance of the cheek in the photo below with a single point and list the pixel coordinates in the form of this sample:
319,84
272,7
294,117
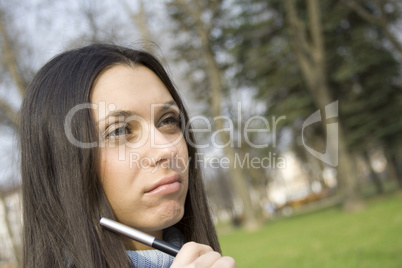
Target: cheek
116,161
121,184
115,174
184,166
182,160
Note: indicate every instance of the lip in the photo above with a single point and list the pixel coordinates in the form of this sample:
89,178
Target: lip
166,185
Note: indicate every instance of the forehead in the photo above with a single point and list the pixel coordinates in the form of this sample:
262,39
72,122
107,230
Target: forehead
129,88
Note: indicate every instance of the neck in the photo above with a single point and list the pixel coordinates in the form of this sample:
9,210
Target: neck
130,244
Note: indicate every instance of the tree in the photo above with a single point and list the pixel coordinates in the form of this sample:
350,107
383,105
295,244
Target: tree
10,63
357,63
15,246
140,20
377,13
386,15
14,79
200,20
310,53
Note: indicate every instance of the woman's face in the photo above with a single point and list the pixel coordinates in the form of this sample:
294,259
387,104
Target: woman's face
143,154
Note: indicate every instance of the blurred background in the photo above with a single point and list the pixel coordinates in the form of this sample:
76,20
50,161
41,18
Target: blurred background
257,70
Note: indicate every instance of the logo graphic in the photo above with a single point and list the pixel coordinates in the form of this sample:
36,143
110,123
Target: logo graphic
330,156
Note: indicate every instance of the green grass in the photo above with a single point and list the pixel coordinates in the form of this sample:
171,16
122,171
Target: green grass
327,238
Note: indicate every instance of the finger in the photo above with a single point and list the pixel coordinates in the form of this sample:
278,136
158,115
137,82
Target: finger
189,253
224,262
207,259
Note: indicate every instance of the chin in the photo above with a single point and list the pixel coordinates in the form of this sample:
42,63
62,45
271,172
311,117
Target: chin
169,217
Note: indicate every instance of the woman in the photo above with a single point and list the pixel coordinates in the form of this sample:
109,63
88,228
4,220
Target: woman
105,134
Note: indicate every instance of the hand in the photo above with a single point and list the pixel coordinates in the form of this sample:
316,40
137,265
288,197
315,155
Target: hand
198,255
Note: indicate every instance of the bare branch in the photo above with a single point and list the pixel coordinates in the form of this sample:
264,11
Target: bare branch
298,31
140,20
8,115
11,57
379,21
362,12
301,46
184,6
316,29
393,40
90,14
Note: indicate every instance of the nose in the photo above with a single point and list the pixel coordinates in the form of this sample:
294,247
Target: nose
163,146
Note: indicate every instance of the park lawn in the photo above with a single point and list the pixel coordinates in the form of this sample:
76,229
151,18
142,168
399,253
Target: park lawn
327,238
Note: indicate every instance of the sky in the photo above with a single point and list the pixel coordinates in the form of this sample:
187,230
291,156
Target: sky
50,27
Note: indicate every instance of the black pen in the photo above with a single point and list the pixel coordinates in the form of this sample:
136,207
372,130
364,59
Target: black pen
140,236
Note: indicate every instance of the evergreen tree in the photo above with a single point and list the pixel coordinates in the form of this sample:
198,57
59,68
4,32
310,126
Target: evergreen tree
361,70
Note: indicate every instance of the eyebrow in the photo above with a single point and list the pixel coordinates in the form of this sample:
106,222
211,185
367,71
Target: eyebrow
168,104
128,113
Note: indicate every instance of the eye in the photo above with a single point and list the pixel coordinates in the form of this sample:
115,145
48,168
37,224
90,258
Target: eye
118,130
170,121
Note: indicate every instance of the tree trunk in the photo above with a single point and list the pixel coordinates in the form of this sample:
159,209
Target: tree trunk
251,221
14,246
238,178
373,175
311,59
396,167
397,160
392,168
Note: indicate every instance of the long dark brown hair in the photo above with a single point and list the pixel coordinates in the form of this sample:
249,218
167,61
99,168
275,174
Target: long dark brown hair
63,198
